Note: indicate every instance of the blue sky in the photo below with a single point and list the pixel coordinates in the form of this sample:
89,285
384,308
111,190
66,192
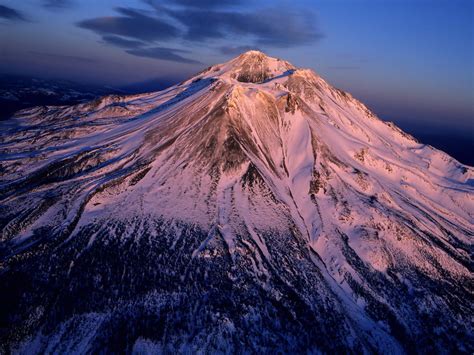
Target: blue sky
408,59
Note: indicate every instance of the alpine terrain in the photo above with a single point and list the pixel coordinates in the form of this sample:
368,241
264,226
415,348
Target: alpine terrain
252,208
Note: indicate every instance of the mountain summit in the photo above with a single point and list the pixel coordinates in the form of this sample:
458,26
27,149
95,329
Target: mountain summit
253,207
253,67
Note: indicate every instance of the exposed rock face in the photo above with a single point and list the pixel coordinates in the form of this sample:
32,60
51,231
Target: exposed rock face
256,67
251,208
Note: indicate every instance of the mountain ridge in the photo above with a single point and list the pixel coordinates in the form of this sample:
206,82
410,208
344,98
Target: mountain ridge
252,207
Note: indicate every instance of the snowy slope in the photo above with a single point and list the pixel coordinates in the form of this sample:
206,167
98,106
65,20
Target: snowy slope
253,207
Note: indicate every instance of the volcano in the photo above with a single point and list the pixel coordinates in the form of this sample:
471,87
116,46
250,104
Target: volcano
251,208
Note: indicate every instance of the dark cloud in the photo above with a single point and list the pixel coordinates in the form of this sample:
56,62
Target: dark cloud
274,27
132,23
122,42
279,26
134,30
139,31
163,53
57,4
233,50
11,14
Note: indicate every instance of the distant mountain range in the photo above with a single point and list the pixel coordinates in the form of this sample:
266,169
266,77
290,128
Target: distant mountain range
17,92
20,92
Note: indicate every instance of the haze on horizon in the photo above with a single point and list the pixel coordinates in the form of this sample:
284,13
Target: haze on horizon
409,60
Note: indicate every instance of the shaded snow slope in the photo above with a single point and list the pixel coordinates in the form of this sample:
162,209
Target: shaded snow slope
253,207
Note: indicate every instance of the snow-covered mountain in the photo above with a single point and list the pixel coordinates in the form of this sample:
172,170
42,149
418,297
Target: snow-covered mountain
252,208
